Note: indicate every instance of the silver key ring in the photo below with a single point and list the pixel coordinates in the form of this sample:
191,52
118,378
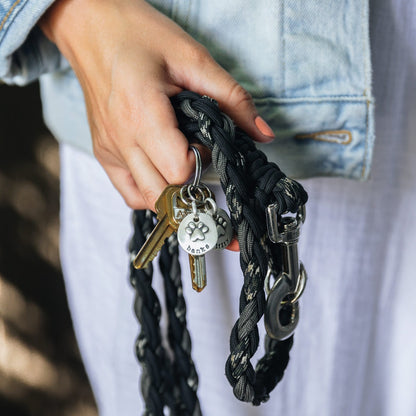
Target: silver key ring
189,193
212,206
198,166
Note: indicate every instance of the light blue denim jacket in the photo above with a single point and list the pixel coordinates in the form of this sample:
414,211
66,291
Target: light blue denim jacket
305,62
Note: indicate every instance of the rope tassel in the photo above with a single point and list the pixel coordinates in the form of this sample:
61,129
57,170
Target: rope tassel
250,184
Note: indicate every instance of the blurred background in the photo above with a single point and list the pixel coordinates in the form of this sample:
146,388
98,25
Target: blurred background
40,368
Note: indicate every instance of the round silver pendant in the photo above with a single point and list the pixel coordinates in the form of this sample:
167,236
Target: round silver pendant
224,229
197,234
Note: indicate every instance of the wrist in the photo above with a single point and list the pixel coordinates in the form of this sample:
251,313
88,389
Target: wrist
51,23
74,25
68,20
78,27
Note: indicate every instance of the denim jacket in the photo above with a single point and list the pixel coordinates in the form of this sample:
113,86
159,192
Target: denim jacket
305,62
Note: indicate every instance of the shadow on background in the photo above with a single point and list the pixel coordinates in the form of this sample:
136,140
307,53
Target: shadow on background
41,373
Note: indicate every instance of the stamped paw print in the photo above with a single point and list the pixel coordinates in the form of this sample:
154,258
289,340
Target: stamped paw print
197,231
221,226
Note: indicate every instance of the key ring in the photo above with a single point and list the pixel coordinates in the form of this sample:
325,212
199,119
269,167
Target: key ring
198,166
197,191
213,208
189,194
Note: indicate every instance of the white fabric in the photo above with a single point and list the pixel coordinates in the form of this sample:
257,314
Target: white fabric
355,346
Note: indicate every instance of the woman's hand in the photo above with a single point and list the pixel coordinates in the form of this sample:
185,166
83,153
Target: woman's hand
130,59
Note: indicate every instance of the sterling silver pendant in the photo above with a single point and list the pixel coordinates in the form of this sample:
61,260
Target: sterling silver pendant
197,233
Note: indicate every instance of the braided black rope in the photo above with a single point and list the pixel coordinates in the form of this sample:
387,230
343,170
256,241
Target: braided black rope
184,372
250,183
163,383
157,382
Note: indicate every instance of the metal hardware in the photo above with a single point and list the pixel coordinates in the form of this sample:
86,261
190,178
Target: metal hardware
198,166
292,297
280,317
282,309
274,221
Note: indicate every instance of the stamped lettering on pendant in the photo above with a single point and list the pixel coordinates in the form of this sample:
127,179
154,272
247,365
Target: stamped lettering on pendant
197,234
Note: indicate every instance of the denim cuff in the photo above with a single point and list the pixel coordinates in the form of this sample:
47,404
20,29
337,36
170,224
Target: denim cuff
25,53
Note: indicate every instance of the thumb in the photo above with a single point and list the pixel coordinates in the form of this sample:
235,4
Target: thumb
232,98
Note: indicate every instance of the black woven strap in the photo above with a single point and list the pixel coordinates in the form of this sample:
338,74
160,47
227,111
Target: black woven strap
250,184
165,382
184,372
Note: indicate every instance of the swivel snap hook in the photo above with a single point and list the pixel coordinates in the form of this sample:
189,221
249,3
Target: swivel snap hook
280,317
282,308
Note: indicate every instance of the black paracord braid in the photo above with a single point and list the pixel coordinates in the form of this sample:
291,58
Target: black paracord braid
185,375
174,385
250,184
157,382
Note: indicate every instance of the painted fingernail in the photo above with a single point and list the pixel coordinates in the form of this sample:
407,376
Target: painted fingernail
264,127
233,246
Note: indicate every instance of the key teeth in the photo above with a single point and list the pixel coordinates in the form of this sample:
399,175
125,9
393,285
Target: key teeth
198,284
142,263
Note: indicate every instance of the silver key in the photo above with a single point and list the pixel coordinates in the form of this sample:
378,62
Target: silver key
198,272
197,235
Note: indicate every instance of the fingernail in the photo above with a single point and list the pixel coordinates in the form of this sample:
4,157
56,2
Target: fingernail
264,127
233,246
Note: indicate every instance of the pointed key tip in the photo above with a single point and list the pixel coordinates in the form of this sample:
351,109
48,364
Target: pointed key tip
198,288
139,263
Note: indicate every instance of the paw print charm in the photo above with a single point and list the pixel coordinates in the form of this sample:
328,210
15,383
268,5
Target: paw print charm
196,230
224,229
198,234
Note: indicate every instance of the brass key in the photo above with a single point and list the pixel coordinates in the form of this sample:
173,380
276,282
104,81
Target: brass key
166,225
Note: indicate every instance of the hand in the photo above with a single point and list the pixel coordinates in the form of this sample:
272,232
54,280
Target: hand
130,59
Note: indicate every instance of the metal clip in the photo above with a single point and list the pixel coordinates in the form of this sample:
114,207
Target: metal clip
274,226
282,309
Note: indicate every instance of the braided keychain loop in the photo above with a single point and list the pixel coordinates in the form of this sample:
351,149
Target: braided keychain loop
250,184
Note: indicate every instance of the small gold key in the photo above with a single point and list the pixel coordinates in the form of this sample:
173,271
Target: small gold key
166,225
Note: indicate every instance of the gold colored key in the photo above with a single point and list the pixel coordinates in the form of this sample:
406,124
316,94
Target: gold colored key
166,225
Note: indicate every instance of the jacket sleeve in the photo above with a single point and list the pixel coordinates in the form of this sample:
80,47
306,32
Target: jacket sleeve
25,53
